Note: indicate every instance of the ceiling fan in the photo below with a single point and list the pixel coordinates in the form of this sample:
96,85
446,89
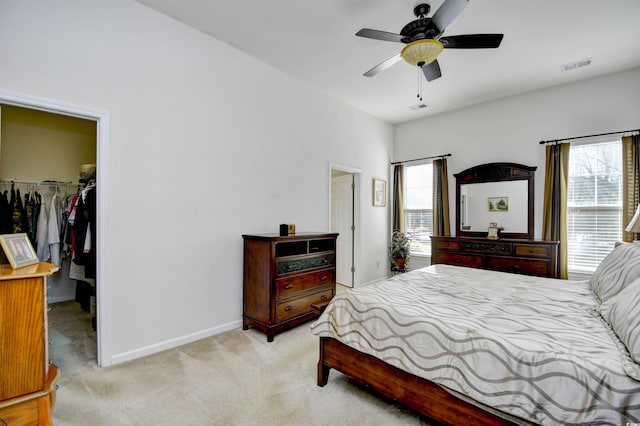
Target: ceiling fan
424,41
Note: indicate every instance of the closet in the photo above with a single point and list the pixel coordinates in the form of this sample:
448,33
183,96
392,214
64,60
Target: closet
42,153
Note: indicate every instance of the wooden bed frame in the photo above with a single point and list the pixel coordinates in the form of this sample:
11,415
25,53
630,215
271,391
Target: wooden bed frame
417,393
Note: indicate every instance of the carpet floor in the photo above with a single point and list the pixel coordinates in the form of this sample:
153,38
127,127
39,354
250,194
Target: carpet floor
234,378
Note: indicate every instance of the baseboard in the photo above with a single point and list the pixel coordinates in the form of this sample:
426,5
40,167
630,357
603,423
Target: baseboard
173,343
377,280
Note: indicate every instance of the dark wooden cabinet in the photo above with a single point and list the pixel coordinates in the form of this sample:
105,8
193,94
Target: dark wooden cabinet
529,257
284,277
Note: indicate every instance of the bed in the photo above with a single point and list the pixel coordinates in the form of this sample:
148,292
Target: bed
463,345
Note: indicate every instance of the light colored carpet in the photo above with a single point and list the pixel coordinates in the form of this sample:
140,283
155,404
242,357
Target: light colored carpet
235,378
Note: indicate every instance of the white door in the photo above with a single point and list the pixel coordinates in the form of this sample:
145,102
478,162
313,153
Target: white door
342,222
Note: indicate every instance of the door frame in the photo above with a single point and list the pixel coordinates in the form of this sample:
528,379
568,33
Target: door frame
357,214
103,293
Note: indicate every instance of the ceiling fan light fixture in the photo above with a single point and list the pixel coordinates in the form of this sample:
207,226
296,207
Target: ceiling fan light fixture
421,52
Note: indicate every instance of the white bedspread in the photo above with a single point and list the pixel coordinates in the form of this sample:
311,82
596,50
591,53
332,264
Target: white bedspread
532,347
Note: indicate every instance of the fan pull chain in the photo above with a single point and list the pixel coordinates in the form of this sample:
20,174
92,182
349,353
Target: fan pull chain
419,95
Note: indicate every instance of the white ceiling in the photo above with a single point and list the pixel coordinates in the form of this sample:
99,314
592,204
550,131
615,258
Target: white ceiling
315,41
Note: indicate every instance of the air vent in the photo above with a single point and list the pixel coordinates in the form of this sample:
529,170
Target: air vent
416,107
575,65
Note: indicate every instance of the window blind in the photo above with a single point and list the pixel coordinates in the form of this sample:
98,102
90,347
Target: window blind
594,204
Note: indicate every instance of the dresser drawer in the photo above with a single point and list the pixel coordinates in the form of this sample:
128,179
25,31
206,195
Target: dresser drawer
458,259
519,266
448,245
291,285
294,307
532,250
286,266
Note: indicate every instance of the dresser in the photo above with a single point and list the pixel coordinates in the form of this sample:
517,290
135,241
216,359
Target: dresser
521,256
27,379
287,280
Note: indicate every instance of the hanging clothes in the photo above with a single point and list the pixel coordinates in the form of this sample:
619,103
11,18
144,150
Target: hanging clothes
19,216
53,230
6,219
84,231
42,234
32,209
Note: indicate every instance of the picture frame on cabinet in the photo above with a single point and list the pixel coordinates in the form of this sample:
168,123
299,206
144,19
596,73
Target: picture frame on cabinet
18,250
379,193
493,233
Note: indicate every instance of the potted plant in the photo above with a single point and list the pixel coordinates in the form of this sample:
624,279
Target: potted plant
400,250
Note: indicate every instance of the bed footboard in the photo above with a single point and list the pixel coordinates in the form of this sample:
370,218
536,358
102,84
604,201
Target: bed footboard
419,394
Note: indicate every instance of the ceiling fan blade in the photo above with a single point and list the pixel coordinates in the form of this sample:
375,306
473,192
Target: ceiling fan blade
383,65
449,11
432,70
379,35
472,41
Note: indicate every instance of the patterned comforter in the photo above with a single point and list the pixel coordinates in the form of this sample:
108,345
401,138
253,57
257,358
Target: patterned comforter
535,348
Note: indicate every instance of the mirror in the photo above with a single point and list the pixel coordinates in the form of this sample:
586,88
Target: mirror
499,193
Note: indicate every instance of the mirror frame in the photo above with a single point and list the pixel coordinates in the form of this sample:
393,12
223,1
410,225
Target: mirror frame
497,172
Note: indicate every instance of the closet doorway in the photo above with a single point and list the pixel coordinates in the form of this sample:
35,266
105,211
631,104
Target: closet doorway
44,140
344,218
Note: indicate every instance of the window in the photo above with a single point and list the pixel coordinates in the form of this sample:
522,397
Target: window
594,204
418,207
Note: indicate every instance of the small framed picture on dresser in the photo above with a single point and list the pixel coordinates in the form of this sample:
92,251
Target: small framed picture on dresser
493,233
18,250
379,193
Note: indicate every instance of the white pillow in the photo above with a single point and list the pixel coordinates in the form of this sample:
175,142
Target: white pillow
622,312
616,271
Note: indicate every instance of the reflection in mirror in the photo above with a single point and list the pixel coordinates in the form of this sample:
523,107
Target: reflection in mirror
504,203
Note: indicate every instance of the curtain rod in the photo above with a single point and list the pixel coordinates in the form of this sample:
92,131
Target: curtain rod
589,136
418,159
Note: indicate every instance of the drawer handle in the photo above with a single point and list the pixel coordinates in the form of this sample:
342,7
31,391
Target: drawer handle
288,286
314,248
530,250
324,278
323,297
288,267
516,267
325,261
288,308
458,260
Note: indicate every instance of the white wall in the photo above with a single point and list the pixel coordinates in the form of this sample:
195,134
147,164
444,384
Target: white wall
205,144
510,129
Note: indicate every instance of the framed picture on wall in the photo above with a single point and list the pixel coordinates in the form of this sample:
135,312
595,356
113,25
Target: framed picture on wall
18,250
379,193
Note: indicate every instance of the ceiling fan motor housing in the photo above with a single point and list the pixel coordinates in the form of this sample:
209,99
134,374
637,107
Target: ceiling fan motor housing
421,10
420,28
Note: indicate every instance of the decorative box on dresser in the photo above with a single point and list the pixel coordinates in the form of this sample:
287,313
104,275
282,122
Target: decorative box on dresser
27,379
529,257
287,279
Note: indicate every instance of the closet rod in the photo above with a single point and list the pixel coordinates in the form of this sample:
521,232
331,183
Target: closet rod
418,159
589,136
44,182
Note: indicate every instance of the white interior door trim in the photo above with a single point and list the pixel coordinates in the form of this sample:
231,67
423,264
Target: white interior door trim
357,221
102,176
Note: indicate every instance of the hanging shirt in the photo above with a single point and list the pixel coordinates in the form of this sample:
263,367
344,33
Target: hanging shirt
5,214
18,214
42,242
53,231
